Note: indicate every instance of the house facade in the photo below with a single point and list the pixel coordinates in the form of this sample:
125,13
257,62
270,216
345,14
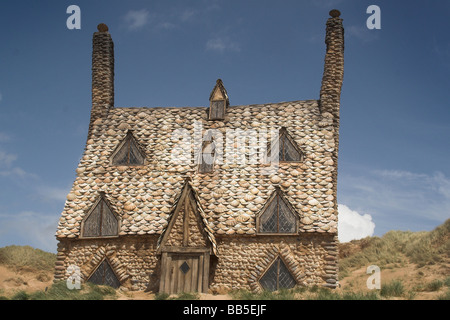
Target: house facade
206,199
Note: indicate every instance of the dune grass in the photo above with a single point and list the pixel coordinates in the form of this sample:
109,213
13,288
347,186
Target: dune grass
303,293
400,247
26,256
59,291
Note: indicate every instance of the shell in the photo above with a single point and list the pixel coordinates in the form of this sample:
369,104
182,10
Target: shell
220,208
71,196
249,197
275,179
259,200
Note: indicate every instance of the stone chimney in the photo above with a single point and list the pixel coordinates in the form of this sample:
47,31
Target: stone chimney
102,74
333,74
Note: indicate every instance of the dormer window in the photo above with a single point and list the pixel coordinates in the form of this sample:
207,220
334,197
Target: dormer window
128,153
277,216
218,102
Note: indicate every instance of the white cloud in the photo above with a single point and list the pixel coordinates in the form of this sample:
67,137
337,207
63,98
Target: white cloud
353,225
222,44
8,170
136,19
427,182
398,199
6,158
187,15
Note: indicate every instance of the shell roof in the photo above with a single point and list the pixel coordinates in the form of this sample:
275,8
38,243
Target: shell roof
230,197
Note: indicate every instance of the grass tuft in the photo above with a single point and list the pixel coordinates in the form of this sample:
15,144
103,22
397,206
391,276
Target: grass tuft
394,288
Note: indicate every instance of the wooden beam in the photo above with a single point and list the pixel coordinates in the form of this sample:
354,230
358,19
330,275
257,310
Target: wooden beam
162,279
186,222
205,273
171,249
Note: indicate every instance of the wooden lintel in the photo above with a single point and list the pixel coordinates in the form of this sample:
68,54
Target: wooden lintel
184,249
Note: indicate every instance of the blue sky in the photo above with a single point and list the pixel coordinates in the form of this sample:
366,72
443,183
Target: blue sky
394,170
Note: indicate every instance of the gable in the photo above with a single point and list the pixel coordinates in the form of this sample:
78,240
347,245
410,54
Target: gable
186,227
186,230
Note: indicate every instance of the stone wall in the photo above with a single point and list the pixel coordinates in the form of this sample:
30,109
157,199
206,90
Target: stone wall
133,259
311,258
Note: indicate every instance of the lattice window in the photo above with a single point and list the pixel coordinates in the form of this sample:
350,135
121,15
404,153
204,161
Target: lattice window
277,216
288,151
101,221
128,153
277,277
104,275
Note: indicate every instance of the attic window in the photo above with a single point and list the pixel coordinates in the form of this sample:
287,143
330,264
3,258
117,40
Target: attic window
277,216
288,151
218,102
206,161
277,277
128,153
100,221
217,110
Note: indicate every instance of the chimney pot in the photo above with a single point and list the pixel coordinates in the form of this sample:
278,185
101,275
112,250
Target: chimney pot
102,27
335,13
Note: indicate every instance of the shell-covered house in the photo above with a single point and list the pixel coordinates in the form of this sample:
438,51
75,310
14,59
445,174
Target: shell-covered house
206,199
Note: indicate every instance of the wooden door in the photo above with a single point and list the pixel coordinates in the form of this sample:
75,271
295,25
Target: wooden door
184,273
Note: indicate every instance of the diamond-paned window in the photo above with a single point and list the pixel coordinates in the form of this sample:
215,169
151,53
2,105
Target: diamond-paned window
104,275
277,216
277,277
